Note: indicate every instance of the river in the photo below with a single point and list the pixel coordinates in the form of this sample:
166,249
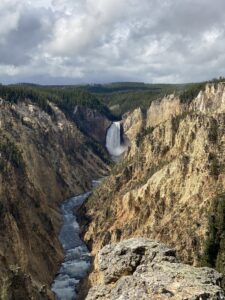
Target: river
77,259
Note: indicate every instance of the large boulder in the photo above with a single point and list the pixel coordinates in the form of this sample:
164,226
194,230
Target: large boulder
141,269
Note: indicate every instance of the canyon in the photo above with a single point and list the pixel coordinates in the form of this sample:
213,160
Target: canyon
159,208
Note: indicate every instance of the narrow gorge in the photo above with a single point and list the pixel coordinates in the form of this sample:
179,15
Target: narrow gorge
77,258
151,228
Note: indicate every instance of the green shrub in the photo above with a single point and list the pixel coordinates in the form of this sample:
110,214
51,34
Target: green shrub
214,250
213,131
10,152
142,134
46,221
191,92
98,149
214,166
1,208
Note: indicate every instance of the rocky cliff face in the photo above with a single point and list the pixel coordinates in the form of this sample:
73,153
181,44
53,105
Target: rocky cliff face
132,123
167,185
92,122
163,109
211,100
143,269
44,159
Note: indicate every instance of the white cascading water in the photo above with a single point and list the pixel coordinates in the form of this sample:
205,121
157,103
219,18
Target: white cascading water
113,140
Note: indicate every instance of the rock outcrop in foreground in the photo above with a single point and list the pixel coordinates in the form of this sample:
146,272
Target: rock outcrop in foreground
141,269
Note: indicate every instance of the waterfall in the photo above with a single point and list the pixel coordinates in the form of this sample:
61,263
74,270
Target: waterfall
113,140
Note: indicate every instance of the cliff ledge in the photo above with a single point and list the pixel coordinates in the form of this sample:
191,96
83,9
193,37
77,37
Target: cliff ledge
140,268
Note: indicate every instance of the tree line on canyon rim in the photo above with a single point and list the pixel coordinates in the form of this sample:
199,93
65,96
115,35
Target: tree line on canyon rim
112,100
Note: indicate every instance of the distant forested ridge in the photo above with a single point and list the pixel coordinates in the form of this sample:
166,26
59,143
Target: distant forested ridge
65,97
123,97
112,99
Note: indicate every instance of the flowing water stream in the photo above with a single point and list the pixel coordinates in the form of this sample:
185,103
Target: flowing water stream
77,257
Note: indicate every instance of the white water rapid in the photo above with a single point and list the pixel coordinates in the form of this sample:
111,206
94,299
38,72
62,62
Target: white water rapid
113,140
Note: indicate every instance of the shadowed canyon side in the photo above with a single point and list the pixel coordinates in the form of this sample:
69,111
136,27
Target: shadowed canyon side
92,122
170,185
44,160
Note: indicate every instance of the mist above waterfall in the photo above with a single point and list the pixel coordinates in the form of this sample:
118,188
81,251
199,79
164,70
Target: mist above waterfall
114,144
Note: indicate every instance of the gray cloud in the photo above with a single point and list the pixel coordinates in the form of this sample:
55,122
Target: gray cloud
107,40
27,37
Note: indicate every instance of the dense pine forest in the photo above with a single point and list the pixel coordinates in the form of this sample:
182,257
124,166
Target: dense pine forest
112,100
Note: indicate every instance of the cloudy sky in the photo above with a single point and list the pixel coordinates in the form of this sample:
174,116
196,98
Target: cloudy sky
87,41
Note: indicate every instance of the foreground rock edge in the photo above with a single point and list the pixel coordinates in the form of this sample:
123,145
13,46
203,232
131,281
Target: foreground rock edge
140,268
